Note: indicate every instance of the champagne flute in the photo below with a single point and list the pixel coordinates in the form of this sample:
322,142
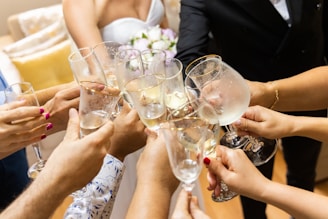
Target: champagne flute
146,93
96,107
25,91
184,140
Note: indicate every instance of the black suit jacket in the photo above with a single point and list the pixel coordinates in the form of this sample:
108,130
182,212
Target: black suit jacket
252,37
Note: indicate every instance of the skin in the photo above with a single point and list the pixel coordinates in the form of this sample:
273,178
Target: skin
129,134
304,91
153,186
15,136
236,170
47,191
261,121
187,207
97,14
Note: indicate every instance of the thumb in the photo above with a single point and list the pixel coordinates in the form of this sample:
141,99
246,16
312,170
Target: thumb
195,211
73,126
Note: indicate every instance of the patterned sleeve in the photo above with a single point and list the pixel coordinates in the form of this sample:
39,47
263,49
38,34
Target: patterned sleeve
97,199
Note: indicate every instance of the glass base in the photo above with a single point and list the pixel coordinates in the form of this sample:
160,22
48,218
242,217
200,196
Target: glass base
35,169
231,140
225,194
262,154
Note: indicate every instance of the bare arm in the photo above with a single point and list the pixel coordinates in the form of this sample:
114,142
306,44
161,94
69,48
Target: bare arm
82,22
305,91
260,121
236,170
59,178
155,182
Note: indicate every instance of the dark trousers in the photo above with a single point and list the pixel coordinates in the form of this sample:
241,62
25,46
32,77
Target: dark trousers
301,155
13,177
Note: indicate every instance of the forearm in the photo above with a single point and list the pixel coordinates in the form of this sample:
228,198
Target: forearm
306,91
297,202
46,94
150,201
39,201
312,127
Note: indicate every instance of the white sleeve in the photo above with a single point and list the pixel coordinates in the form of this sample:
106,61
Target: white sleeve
97,198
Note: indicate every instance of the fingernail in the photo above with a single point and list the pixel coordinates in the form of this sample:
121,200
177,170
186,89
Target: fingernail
206,160
237,123
47,116
49,126
41,110
43,137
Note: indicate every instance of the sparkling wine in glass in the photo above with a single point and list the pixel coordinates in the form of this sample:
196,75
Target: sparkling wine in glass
184,141
25,91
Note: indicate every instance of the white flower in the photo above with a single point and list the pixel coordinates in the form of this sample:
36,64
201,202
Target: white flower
155,38
155,33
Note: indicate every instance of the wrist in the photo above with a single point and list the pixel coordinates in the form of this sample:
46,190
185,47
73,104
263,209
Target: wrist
274,94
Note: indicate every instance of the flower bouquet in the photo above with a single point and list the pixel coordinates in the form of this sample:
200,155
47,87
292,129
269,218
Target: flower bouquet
156,38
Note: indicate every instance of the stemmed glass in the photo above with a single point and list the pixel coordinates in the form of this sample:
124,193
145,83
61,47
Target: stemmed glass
185,134
227,91
96,107
25,91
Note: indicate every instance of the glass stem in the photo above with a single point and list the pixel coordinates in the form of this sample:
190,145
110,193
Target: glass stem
37,151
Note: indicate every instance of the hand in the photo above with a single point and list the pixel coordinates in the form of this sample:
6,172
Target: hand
155,159
187,207
17,135
234,168
261,121
261,93
129,134
76,161
59,105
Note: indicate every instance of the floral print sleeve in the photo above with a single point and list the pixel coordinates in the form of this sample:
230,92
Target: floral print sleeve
96,200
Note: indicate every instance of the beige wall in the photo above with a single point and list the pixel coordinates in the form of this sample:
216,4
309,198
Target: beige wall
9,7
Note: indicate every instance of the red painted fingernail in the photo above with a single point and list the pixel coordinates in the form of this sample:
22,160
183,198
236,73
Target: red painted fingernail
47,116
41,110
49,126
206,160
43,136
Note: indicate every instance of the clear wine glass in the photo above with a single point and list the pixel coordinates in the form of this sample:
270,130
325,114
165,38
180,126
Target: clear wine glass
185,133
260,150
220,85
97,106
25,91
128,66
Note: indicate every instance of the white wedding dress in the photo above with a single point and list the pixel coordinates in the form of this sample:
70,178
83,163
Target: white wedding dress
121,31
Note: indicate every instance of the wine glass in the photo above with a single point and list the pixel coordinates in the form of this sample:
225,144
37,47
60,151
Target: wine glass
219,84
260,150
146,93
174,89
25,91
128,66
97,106
185,133
106,52
86,66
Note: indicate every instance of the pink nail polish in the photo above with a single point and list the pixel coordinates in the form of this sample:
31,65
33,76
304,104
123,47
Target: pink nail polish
43,137
47,116
206,160
49,126
41,110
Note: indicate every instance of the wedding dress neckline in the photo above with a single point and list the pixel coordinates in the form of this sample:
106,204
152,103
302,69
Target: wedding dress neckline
121,30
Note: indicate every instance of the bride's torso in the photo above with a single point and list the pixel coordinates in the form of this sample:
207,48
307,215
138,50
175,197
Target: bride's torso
120,29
